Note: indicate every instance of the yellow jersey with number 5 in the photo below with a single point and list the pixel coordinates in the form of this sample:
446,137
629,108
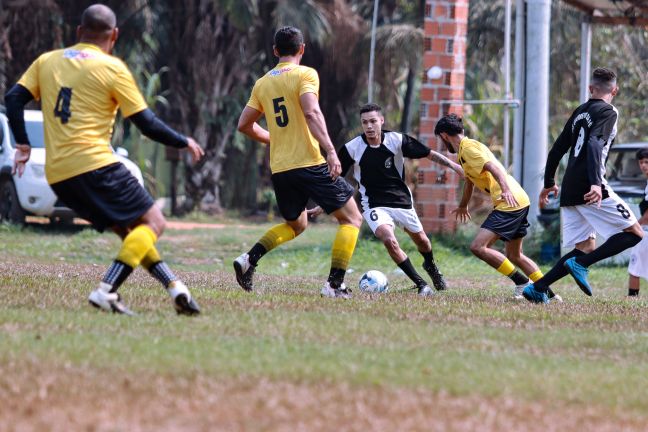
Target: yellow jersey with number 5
80,89
277,94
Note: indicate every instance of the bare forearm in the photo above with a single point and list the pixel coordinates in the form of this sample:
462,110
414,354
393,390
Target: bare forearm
498,175
442,160
317,126
467,194
257,133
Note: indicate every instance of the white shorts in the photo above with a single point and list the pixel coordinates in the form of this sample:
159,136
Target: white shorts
639,258
404,218
583,222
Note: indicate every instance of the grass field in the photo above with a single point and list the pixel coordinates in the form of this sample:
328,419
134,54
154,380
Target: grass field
284,359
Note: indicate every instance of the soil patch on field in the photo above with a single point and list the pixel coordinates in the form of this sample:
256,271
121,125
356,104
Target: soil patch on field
50,397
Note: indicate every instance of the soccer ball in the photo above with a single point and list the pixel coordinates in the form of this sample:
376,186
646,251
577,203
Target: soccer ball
374,281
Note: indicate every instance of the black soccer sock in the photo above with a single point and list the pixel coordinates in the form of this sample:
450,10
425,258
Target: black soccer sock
613,246
633,292
117,274
428,258
336,277
161,271
518,278
408,268
557,272
256,253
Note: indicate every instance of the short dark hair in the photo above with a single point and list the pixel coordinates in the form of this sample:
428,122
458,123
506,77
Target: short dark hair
370,107
288,40
450,124
98,18
642,153
604,79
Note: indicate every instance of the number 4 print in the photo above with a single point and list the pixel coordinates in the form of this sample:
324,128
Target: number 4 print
62,108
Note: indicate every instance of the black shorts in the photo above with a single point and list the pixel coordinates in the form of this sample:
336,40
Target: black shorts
508,225
107,197
294,187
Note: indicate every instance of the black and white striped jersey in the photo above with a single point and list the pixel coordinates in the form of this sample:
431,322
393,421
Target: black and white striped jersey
587,136
380,170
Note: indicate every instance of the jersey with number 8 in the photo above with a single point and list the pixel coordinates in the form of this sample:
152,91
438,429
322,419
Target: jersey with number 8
79,106
277,95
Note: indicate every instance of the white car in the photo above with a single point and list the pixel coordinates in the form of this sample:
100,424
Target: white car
30,194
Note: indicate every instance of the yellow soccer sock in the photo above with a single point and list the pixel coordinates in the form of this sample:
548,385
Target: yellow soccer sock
277,235
506,268
136,245
343,246
535,276
151,257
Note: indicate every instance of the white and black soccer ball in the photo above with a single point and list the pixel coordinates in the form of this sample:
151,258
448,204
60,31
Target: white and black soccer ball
374,281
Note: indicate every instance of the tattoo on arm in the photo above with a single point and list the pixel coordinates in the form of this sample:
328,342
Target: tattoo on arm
436,157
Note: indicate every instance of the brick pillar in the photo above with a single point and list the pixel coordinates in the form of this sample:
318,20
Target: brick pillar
446,23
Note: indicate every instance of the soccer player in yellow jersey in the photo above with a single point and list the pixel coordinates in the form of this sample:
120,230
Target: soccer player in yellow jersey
507,221
288,97
80,89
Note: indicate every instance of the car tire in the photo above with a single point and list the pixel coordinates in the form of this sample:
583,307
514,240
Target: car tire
10,210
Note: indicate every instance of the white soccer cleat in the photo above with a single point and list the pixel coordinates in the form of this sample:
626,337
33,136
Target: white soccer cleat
556,298
425,291
517,292
329,291
183,303
103,299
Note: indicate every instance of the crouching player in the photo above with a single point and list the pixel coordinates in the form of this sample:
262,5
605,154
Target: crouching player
508,220
638,267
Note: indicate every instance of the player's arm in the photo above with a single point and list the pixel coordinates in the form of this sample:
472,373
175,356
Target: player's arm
500,177
248,125
414,149
317,126
558,150
461,212
154,128
437,157
15,100
599,136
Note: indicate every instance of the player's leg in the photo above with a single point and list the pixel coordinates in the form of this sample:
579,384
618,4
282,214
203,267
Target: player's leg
577,232
613,220
514,252
481,248
634,283
292,204
638,266
349,220
385,232
424,247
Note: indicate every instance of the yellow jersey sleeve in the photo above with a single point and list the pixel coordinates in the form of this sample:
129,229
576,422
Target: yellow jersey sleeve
254,101
126,93
309,82
30,79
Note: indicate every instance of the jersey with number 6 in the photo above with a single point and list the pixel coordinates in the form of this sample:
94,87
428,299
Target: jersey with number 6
277,95
80,89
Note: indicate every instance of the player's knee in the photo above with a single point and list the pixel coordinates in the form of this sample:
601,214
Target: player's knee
477,249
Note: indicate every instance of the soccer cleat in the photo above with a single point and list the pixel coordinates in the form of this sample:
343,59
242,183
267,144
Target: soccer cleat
530,293
436,276
244,272
579,273
341,292
517,291
425,291
103,299
183,303
555,299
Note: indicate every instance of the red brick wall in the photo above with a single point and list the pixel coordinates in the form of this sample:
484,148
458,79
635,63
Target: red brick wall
446,23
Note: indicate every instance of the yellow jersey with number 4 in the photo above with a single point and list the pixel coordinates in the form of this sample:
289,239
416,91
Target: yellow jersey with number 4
472,156
80,89
276,94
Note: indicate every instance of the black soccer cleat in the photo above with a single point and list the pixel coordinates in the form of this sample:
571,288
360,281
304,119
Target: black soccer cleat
244,270
437,277
186,306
